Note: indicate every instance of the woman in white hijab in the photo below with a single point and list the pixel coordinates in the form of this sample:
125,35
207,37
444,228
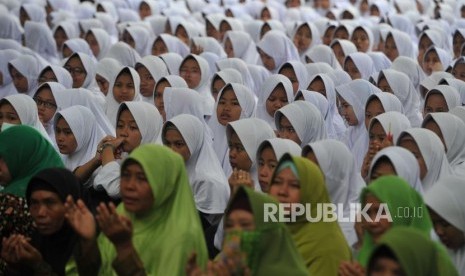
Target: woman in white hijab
25,69
33,12
207,44
441,98
11,29
451,130
322,53
39,38
138,37
324,85
225,113
342,48
55,73
398,161
185,134
359,66
124,87
99,42
150,69
77,135
436,59
106,69
173,62
318,100
398,44
296,72
301,122
305,36
241,66
166,43
429,152
63,31
411,68
363,38
276,93
222,77
195,70
400,85
240,44
353,97
123,53
447,211
275,48
26,110
343,180
6,85
75,45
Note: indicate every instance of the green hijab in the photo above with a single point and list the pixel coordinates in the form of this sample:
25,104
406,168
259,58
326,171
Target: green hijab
322,244
171,231
26,152
269,248
396,193
416,253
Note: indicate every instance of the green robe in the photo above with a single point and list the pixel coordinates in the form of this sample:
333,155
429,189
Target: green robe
26,152
171,231
322,244
417,254
397,194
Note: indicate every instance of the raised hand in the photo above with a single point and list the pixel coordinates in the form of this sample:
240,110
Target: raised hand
239,178
117,228
80,219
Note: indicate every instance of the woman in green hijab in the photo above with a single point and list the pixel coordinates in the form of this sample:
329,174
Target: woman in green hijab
23,153
322,244
157,222
406,251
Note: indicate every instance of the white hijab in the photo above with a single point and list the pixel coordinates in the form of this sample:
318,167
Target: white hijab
453,133
457,84
322,53
449,93
318,100
241,66
300,71
251,132
446,199
243,46
11,28
280,147
342,178
278,46
157,69
77,45
29,67
86,132
108,68
364,64
433,153
148,120
356,93
392,122
404,163
403,43
410,67
123,53
103,40
142,38
208,181
174,44
388,101
268,87
62,75
7,87
315,34
220,144
173,62
39,38
111,105
306,120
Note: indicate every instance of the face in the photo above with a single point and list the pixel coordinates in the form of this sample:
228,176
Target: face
265,28
457,44
276,100
434,127
303,38
46,104
267,163
128,39
376,133
228,48
191,73
23,16
341,33
435,103
181,33
66,52
382,168
285,187
292,3
386,267
408,143
217,85
136,193
323,4
328,36
64,137
224,27
450,236
266,15
374,11
312,157
47,76
373,109
339,53
5,176
19,80
47,211
384,85
93,43
287,131
228,109
77,71
376,228
431,63
144,10
159,90
347,112
128,129
239,220
159,47
60,37
318,85
290,74
103,84
147,82
361,40
238,157
267,60
211,31
459,71
175,141
423,45
352,70
8,115
123,89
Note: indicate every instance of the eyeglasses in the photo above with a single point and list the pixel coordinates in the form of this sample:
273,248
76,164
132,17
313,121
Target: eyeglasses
46,104
75,70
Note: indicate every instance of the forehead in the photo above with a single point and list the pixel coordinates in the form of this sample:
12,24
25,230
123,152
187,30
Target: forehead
190,62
